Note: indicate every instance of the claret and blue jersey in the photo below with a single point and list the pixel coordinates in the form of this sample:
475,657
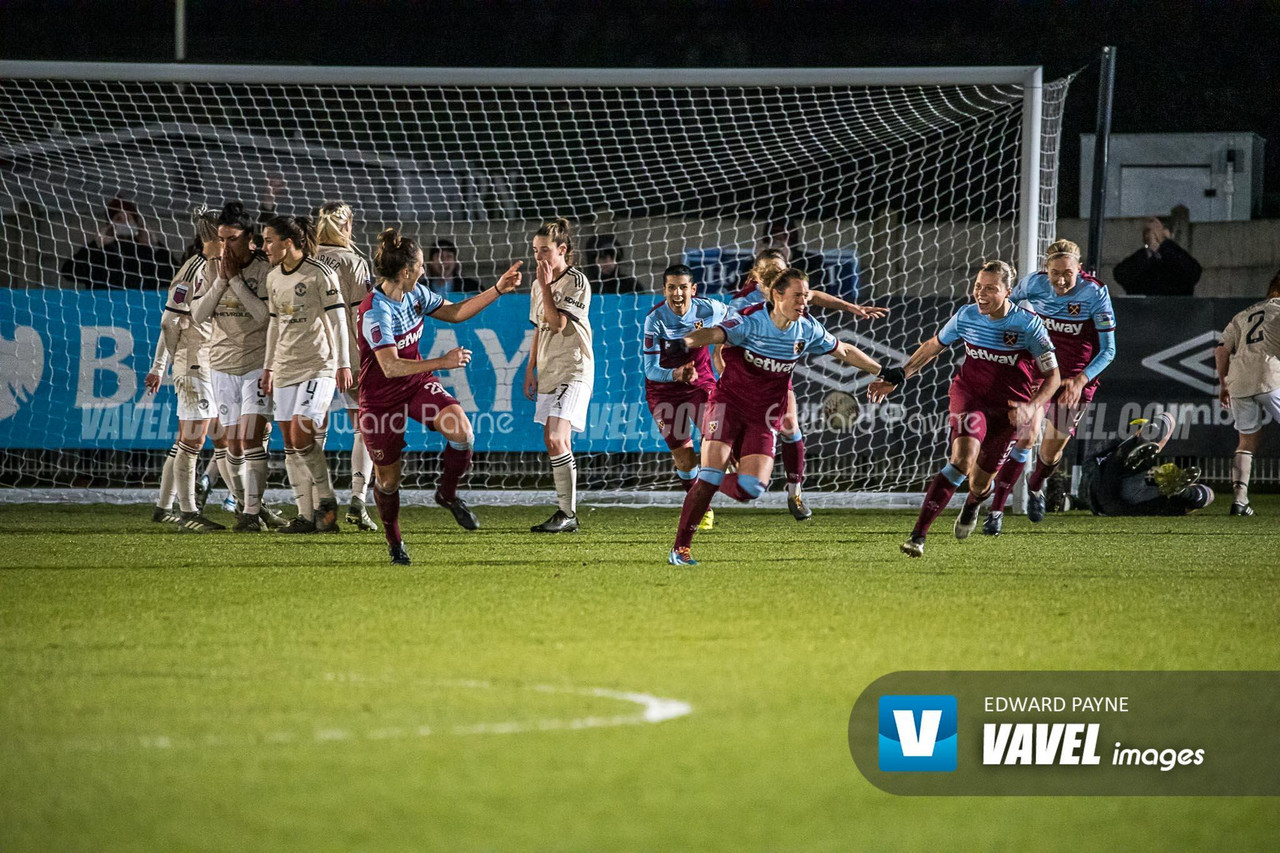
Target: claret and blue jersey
1081,323
761,357
384,322
663,325
1004,356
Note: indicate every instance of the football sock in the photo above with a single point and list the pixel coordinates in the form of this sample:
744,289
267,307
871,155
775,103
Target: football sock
974,499
389,511
318,468
214,469
793,457
564,470
751,486
731,487
322,435
1241,468
453,464
1041,472
235,478
361,469
696,503
936,498
687,478
254,479
164,499
1007,477
184,476
224,466
300,481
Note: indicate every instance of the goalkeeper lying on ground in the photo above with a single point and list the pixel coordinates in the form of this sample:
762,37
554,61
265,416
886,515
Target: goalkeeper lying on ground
1130,478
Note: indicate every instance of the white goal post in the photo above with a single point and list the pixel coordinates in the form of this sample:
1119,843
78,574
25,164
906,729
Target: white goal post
889,184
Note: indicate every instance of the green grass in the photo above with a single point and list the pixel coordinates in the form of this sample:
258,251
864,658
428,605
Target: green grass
292,678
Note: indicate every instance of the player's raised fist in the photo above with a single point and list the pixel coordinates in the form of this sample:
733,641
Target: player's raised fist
510,279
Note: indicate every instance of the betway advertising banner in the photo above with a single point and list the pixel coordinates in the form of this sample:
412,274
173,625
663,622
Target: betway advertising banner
72,365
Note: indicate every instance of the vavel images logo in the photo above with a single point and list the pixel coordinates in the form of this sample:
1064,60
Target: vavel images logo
917,733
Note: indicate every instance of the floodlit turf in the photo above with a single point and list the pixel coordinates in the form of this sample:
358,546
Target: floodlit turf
166,692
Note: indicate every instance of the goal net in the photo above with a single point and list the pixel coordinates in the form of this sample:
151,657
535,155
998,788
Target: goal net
888,186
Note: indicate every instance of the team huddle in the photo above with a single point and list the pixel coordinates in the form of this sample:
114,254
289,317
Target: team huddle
285,326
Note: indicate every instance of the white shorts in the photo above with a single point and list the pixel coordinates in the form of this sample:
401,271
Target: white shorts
569,401
198,405
309,399
1248,411
239,395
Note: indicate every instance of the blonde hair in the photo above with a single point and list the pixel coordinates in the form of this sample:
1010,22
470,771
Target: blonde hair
1005,270
560,233
1061,249
332,220
765,268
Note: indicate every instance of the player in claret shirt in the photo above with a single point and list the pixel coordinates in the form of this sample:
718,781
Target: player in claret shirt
754,291
767,341
1076,310
396,383
1009,373
677,382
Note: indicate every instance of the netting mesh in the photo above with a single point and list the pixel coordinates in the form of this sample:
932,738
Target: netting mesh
885,194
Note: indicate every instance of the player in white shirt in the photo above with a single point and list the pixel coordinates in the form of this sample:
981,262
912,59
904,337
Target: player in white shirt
335,224
561,369
306,359
237,303
187,344
1248,361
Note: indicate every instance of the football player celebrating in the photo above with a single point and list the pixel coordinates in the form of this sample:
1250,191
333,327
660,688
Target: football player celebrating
1248,362
561,370
187,344
237,302
766,342
993,396
396,383
677,383
306,359
754,291
1076,310
335,224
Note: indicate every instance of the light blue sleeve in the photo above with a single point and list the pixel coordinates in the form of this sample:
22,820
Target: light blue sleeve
1022,290
818,340
950,333
1105,355
735,329
1038,340
653,351
377,326
1104,315
432,300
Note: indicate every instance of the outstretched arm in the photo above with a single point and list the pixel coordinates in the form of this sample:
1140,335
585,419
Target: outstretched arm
925,353
835,303
393,365
457,312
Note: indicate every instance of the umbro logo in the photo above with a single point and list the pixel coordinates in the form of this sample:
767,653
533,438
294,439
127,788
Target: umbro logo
1189,362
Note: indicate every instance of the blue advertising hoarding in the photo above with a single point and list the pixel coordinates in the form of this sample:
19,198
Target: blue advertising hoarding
72,365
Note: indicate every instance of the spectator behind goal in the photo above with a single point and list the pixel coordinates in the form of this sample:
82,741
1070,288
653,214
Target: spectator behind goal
120,255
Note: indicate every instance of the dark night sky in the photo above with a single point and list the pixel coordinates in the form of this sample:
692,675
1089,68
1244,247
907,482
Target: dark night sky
1181,66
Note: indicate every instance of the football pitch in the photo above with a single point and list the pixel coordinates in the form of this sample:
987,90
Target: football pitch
515,692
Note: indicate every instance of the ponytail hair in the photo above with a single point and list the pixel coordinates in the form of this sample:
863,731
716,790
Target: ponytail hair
560,233
332,220
299,229
768,264
394,253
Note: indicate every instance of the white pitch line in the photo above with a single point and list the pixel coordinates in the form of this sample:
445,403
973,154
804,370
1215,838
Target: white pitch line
652,709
